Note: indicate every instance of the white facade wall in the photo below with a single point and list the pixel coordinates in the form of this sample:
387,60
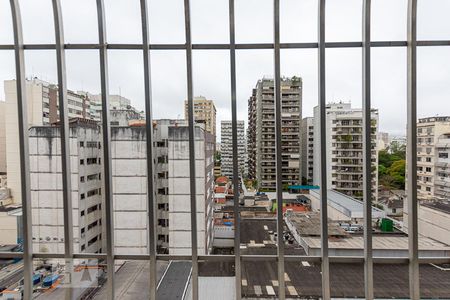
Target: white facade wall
2,137
129,171
9,227
433,148
35,97
179,190
46,190
227,149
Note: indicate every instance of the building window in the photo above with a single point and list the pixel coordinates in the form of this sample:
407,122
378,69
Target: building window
81,161
443,155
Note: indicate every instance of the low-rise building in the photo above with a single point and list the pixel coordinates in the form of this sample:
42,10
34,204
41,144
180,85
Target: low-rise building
433,220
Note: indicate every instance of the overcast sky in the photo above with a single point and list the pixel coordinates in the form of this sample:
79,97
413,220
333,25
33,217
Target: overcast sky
253,24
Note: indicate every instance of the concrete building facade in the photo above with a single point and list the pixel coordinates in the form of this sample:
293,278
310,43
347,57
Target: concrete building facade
171,156
433,149
307,150
122,117
227,149
46,188
261,129
204,112
116,102
179,190
433,220
2,138
43,109
344,157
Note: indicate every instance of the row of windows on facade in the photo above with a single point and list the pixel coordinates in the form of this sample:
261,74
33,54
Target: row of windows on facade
91,161
90,144
91,193
96,176
427,130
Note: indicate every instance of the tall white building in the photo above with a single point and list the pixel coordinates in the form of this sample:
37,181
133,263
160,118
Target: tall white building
179,190
171,156
227,149
46,188
261,132
43,109
433,149
308,150
344,139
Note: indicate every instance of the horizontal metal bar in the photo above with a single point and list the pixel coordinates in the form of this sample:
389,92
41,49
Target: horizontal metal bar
40,47
6,47
82,46
433,43
252,46
291,258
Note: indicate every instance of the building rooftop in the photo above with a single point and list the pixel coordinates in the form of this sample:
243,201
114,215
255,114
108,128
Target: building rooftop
308,224
349,206
438,205
381,241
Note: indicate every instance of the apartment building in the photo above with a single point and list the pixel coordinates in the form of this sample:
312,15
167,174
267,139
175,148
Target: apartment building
344,139
123,117
171,153
179,190
382,140
433,149
204,112
46,187
261,130
116,102
307,156
251,136
227,149
43,109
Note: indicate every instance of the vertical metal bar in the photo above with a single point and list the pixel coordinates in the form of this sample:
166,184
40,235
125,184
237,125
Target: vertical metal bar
191,122
323,155
65,146
106,137
23,150
367,152
237,216
278,148
411,158
151,195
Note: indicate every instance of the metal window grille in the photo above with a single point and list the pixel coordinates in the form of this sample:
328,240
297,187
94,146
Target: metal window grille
103,48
